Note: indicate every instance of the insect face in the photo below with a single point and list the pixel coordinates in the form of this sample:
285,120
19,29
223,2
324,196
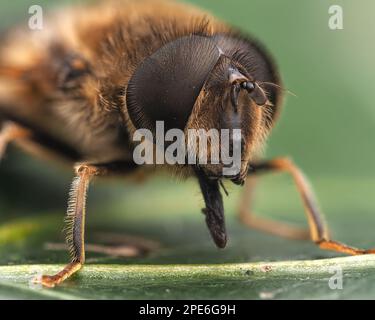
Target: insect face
231,102
192,85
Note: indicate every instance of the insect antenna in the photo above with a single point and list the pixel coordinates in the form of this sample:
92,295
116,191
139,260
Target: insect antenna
271,84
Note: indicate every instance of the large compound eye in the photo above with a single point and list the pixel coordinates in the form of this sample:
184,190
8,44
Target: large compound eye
166,84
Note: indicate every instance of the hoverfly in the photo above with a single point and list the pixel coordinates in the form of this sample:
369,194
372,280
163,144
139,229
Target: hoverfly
80,88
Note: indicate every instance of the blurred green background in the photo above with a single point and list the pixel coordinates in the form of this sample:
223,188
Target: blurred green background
328,129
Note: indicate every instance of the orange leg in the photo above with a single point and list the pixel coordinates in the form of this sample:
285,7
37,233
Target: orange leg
264,224
317,228
11,132
75,226
75,220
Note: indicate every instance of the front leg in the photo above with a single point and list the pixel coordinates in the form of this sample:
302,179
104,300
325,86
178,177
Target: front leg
75,219
75,225
269,225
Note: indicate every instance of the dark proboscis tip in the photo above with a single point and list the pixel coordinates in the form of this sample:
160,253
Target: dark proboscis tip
216,227
214,210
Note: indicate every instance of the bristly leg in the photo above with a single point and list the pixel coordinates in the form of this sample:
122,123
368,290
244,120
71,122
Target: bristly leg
75,226
76,212
75,216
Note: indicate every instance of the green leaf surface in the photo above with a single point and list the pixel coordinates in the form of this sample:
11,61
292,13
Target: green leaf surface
286,280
